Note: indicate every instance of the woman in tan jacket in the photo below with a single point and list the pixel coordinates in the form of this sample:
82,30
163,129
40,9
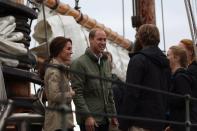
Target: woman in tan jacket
58,90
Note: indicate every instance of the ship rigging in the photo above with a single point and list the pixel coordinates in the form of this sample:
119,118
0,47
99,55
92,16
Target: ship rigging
20,62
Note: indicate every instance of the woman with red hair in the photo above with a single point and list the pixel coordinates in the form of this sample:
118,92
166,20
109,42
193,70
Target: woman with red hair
187,44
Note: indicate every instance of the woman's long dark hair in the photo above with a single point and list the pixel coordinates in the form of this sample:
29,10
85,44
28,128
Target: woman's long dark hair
56,46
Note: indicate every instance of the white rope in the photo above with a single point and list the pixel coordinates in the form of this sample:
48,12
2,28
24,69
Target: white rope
85,36
62,24
123,19
163,26
45,29
192,25
195,8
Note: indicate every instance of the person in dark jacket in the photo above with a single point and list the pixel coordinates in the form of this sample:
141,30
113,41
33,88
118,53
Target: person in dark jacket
117,88
148,67
187,44
181,84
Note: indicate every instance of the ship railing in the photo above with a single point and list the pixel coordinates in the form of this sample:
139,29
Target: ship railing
64,109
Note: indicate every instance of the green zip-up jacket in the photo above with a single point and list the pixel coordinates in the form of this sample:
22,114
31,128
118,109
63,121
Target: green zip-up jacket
92,95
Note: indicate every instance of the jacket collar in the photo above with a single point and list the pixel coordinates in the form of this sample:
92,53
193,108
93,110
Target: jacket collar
93,57
56,62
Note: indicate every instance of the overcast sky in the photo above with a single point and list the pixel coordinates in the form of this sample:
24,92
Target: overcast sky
109,12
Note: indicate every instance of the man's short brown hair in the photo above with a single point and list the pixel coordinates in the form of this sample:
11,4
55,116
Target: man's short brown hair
93,32
148,34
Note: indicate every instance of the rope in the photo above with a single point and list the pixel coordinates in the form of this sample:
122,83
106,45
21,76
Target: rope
45,29
134,7
62,24
123,19
65,109
192,18
65,69
163,26
86,38
196,7
191,25
77,5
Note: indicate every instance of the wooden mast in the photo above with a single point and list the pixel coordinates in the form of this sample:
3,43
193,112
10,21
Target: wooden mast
19,1
147,11
144,12
86,21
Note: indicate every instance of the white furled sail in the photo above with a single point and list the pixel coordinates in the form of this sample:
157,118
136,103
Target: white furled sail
59,25
9,38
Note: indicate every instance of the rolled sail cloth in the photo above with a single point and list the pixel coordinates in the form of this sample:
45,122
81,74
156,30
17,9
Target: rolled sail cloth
15,36
9,62
8,38
59,25
7,25
12,47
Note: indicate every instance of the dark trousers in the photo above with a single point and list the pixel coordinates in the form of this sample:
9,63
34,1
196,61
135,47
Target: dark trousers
100,128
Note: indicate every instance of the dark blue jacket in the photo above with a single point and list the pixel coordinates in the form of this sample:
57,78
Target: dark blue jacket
118,92
149,68
181,84
192,70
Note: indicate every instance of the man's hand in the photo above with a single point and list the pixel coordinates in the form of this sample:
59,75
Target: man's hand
168,128
90,123
114,122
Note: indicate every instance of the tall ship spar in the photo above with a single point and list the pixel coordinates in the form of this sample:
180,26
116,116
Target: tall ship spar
19,64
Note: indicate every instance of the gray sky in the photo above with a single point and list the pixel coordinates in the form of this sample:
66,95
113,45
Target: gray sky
109,12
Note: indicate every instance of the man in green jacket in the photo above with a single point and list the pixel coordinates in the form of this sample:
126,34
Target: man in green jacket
93,95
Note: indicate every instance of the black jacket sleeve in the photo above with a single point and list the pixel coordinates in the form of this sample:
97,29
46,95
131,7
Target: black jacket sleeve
182,86
135,73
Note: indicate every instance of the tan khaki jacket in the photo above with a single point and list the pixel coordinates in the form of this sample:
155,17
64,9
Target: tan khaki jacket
56,96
